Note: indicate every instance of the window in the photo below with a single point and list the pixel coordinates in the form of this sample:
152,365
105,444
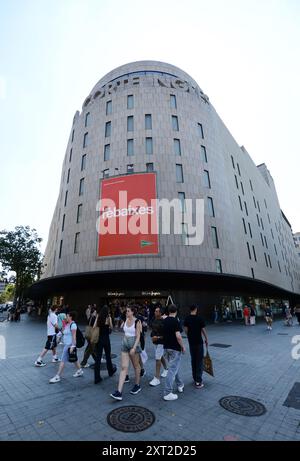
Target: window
85,139
232,161
149,146
266,260
262,240
254,201
200,130
258,222
258,206
236,182
262,224
249,253
203,154
269,219
73,132
129,146
266,241
79,213
76,242
270,261
251,184
105,173
265,203
241,206
254,252
148,122
179,173
219,266
149,167
175,125
130,168
177,147
211,209
246,209
107,129
60,249
206,179
214,235
108,107
130,101
66,197
173,101
242,187
68,176
252,272
106,152
250,230
70,157
87,119
275,249
181,196
245,228
185,236
83,162
238,167
63,223
279,266
81,186
130,123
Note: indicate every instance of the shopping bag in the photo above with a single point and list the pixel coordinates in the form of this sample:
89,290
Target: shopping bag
207,364
88,332
252,320
144,356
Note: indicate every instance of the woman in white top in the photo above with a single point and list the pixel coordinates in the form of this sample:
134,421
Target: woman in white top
130,350
69,348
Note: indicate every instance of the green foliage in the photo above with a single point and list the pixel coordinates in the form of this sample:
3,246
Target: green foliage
8,294
19,252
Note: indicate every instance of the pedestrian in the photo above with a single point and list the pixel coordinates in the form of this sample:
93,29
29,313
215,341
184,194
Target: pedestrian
157,340
288,317
268,317
69,353
297,312
246,312
252,315
88,312
174,348
194,326
215,314
52,329
130,350
104,322
90,348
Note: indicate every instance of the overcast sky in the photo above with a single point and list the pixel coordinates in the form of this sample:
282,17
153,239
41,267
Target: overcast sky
245,54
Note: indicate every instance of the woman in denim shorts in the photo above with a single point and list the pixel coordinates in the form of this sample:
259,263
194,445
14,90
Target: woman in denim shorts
130,350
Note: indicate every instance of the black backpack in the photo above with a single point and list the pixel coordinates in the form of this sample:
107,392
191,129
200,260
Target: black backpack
80,340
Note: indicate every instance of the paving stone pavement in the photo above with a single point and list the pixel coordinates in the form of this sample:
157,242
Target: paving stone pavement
258,365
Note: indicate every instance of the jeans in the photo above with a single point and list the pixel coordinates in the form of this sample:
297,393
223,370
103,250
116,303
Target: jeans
89,350
103,343
174,359
196,351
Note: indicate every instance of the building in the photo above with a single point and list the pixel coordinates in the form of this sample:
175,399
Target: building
297,242
151,118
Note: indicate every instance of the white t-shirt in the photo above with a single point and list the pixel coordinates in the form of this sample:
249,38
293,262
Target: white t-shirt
67,333
51,322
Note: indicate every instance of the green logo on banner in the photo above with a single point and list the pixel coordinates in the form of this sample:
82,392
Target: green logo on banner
145,243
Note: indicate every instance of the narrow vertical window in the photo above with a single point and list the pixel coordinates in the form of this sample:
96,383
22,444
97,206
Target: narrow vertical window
270,261
241,206
177,147
250,230
236,182
173,101
66,197
73,132
81,186
211,209
175,124
85,139
130,147
79,213
105,173
148,122
254,252
219,266
63,223
70,157
267,264
249,253
238,167
206,179
203,154
266,241
254,201
106,152
60,249
149,167
107,129
68,176
130,123
108,107
200,130
214,235
262,240
149,146
179,173
242,187
232,161
245,228
83,162
181,196
130,101
252,272
251,184
87,119
76,242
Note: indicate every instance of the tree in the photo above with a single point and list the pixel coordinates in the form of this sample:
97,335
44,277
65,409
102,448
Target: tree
8,293
19,252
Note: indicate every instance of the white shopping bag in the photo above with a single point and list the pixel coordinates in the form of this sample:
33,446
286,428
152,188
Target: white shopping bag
144,356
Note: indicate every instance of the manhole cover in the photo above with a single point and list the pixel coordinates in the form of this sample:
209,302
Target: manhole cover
130,419
242,406
220,345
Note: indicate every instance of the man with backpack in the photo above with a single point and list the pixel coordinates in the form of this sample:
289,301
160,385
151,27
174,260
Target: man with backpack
72,340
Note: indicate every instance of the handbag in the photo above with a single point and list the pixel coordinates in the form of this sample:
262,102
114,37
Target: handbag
72,355
95,331
88,332
207,364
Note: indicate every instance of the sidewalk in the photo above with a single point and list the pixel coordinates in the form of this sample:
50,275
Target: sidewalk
258,365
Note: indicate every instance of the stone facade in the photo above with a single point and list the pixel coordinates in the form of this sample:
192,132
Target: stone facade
245,201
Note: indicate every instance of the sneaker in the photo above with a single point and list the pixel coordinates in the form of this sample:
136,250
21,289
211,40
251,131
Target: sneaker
55,360
164,374
154,382
199,385
85,366
39,363
136,389
127,380
55,379
116,395
78,373
171,396
143,372
180,388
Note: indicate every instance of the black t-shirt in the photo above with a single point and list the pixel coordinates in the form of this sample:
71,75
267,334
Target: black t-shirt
194,323
171,325
158,329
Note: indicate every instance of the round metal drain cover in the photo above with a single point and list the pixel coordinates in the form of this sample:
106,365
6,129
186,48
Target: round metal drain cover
130,419
242,406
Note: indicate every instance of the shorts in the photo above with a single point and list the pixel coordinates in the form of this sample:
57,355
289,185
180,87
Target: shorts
51,343
159,351
128,343
65,353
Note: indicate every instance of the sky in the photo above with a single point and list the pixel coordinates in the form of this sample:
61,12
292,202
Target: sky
244,54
